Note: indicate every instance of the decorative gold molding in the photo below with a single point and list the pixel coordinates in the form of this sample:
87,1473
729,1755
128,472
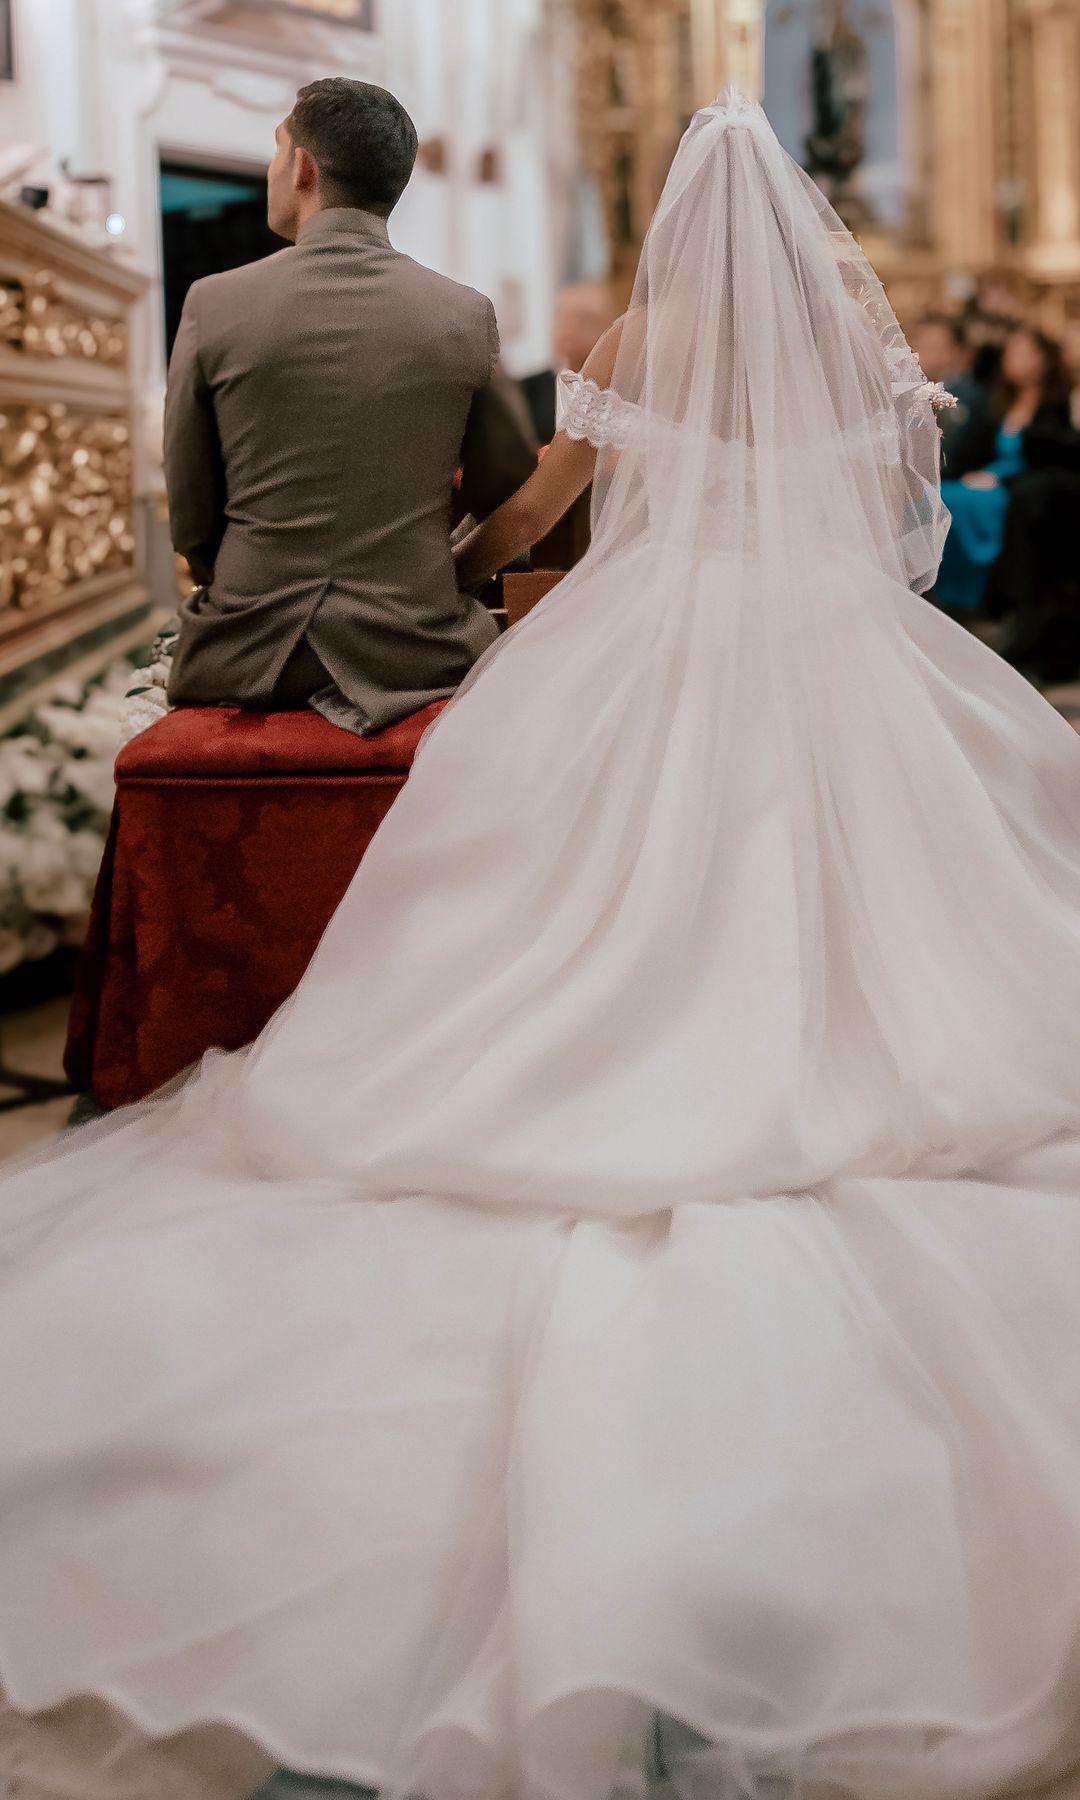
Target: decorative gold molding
635,95
31,240
992,141
66,502
67,532
729,47
37,318
1054,27
964,222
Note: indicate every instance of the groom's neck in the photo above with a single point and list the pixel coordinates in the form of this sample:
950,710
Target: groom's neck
307,209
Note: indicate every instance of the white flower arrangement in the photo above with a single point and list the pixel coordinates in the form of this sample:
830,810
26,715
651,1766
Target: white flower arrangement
146,699
56,793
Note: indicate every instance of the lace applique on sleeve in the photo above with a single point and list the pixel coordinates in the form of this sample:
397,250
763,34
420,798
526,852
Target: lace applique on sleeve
595,415
907,378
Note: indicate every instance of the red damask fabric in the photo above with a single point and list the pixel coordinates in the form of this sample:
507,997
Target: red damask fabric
233,839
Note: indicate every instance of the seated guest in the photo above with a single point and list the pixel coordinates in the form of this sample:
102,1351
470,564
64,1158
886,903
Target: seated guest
1036,580
320,405
1032,390
968,428
987,321
582,315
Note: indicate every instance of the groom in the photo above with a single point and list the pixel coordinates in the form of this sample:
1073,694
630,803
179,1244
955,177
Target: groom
320,403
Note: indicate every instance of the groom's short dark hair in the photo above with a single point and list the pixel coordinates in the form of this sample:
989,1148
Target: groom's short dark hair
362,140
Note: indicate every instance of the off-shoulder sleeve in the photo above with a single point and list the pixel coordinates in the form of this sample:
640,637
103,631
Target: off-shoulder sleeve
596,415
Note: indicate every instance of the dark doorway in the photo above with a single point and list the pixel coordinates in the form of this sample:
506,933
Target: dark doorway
211,219
7,45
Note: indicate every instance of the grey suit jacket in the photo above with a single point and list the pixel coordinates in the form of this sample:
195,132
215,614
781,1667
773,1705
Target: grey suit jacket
319,404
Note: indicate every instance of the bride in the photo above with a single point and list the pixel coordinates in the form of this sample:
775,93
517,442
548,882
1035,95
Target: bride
634,1277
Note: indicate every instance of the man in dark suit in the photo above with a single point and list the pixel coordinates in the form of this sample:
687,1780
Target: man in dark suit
968,429
320,403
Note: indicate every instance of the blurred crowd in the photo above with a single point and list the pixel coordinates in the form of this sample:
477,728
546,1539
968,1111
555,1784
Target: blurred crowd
1011,468
1010,464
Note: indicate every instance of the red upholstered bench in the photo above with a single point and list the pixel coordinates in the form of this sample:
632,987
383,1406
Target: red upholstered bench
233,839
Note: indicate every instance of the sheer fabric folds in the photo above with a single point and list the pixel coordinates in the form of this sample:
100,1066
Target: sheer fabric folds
618,1323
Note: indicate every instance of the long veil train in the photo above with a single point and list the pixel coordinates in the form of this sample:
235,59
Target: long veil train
634,1275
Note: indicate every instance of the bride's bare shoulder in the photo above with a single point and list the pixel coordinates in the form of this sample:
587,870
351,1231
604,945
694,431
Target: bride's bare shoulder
627,335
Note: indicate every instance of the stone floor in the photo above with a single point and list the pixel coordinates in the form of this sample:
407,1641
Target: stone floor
83,1752
33,1042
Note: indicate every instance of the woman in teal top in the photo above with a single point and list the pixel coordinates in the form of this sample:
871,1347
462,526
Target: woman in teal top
1032,381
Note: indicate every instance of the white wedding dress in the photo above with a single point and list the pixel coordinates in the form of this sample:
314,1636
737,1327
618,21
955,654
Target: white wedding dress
636,1274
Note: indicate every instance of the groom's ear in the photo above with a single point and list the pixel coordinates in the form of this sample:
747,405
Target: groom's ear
305,171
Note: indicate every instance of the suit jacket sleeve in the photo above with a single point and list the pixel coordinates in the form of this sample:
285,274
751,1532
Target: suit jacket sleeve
194,471
499,450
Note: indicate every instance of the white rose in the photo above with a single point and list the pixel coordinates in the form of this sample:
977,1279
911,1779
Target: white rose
44,825
117,680
43,857
106,704
142,711
64,894
93,781
97,733
85,851
12,845
23,768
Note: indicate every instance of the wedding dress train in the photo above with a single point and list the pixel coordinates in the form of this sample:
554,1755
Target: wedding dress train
636,1273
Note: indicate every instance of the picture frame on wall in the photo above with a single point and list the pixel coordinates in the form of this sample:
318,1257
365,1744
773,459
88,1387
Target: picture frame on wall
7,41
358,13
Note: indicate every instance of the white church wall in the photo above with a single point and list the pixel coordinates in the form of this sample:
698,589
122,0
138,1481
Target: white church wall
114,85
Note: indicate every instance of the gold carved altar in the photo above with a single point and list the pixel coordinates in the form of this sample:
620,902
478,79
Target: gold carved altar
67,505
990,100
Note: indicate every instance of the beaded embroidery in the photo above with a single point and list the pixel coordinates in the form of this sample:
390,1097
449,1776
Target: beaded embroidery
594,415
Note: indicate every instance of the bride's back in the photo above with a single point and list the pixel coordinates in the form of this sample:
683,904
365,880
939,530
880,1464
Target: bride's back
763,393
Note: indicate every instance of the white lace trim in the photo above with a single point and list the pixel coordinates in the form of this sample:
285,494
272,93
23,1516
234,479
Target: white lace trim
598,416
595,415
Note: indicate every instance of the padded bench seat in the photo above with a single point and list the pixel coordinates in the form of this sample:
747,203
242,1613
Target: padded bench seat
233,839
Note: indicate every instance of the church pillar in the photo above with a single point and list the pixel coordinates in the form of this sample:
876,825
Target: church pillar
1054,247
728,47
964,223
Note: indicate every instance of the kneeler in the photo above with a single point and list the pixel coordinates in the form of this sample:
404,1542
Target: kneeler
233,839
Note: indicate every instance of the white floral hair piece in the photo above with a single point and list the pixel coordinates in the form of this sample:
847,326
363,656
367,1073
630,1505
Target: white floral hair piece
732,107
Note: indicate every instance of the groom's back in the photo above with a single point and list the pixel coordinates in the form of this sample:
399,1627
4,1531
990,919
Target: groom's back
338,377
342,375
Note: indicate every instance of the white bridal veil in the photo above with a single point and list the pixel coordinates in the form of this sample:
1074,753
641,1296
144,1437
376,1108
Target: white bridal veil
764,399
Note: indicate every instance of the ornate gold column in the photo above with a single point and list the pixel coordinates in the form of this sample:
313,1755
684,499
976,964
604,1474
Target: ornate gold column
728,47
634,82
1054,245
964,218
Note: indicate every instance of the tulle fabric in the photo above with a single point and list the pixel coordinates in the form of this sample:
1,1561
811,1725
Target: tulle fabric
779,408
617,1324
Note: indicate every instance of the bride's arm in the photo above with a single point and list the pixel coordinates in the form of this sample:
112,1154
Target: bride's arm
531,513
